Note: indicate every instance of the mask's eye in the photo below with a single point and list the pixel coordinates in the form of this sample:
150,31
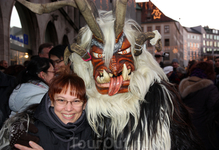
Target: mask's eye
123,52
97,55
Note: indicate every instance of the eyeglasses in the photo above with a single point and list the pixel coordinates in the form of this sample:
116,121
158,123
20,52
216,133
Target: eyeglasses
57,61
63,103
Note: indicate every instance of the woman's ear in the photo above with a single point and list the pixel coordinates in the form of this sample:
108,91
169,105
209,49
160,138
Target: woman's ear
41,75
52,103
84,106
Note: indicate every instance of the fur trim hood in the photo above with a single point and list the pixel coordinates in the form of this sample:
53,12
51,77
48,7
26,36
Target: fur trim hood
192,84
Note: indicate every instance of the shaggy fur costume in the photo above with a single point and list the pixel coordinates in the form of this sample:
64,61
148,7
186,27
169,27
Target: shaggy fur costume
149,116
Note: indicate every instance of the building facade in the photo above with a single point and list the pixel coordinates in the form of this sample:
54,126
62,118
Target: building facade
18,44
171,31
210,48
192,44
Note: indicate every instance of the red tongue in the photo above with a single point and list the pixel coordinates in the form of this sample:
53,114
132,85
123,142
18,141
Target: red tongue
115,84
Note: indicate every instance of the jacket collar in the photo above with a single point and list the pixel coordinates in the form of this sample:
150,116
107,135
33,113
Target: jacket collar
192,84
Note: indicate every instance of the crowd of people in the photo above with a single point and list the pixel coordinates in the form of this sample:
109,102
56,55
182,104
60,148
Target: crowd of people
119,99
46,79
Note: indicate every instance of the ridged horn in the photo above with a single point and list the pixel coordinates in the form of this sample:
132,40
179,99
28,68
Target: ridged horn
77,49
48,7
144,37
120,12
88,14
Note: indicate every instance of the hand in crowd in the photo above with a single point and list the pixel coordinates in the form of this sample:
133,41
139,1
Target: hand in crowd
33,145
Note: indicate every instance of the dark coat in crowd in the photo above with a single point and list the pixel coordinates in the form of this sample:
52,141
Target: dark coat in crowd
6,84
200,95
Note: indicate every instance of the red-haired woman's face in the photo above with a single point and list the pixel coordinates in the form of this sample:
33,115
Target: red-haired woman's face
67,107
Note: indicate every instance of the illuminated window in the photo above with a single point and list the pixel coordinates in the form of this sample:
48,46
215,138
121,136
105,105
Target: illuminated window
217,37
167,42
188,36
166,29
211,43
215,44
191,45
210,36
188,44
203,42
207,43
203,35
158,28
198,45
149,29
204,50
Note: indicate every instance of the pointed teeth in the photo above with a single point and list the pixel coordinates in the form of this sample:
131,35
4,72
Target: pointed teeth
125,73
105,78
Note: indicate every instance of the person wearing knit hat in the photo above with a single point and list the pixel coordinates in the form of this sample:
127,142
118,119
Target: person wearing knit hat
175,64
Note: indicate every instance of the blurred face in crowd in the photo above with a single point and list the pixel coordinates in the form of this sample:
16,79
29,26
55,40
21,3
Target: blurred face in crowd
57,62
45,52
4,64
67,107
175,64
217,63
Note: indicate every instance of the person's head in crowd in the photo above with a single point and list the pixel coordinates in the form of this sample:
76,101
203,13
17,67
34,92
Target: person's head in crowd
216,60
26,63
68,97
190,64
4,63
38,70
44,50
175,63
56,54
181,72
168,70
203,69
14,70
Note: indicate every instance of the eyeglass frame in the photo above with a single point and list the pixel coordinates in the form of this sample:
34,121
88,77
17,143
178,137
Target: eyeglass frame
65,102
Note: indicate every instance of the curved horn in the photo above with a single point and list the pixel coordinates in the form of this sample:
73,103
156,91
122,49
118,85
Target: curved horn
139,41
86,11
77,49
46,8
120,12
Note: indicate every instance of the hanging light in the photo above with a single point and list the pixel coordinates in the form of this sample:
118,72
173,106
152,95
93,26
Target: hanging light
26,55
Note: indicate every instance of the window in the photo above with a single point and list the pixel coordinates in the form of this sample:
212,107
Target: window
207,36
149,29
211,43
210,36
203,35
158,28
191,45
194,44
188,36
203,42
197,37
188,44
204,50
166,29
207,43
215,37
215,44
167,42
198,45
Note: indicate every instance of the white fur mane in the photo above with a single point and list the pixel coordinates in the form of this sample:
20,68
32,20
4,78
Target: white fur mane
119,106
